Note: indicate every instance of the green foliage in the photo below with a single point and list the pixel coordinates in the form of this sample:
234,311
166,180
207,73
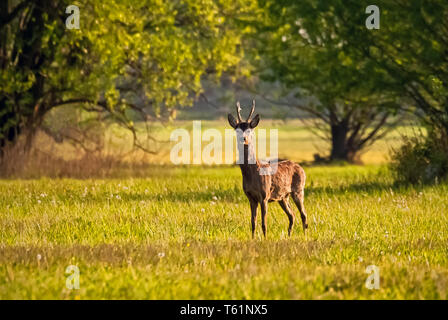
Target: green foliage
405,57
145,58
301,46
405,60
306,51
421,159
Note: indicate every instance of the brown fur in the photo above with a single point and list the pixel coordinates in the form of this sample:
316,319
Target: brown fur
288,179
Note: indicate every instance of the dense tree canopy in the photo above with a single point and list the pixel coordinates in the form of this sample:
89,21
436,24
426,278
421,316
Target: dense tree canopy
406,57
300,46
128,58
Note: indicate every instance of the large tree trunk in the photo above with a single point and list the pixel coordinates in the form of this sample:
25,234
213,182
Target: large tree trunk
342,149
339,141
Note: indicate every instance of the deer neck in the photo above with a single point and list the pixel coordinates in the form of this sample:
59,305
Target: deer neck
250,164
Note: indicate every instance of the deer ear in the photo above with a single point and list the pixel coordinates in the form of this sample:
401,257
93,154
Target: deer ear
232,121
254,121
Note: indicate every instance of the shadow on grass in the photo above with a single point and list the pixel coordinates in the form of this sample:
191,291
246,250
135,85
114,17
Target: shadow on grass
229,195
236,194
364,187
374,187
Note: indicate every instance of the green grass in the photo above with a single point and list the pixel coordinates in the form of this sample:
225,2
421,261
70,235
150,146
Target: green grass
166,236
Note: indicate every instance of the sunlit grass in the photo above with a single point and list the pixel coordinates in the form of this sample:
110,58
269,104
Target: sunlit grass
184,233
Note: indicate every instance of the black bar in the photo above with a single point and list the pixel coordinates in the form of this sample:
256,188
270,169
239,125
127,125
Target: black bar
225,309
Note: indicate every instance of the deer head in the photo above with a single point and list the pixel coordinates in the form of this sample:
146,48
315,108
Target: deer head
245,133
244,128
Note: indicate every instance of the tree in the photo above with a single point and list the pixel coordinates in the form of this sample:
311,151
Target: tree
300,46
129,60
411,48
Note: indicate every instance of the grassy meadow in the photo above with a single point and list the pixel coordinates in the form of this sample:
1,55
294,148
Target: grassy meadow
183,232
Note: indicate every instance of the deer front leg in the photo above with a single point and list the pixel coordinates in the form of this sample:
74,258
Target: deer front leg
264,210
253,210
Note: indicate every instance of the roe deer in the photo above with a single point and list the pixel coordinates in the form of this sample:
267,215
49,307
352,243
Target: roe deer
263,183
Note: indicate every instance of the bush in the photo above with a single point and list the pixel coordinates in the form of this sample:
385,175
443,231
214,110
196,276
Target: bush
421,159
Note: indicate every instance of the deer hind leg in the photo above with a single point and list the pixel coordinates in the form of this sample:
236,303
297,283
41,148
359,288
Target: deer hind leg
264,211
285,206
253,210
298,200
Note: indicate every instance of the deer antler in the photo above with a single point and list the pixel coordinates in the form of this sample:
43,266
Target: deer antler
251,111
238,111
